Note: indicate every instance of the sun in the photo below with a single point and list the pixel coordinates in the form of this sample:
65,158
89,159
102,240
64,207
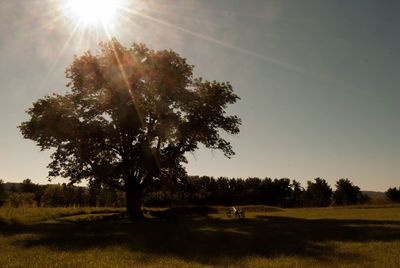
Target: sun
92,12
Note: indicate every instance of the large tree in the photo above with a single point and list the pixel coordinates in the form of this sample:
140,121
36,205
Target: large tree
129,118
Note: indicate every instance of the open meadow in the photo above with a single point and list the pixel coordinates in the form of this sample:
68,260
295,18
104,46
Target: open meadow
129,128
267,237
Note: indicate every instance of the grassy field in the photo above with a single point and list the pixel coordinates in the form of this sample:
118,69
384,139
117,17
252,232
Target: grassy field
268,237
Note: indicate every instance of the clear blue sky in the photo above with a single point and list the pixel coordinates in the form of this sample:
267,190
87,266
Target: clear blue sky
318,80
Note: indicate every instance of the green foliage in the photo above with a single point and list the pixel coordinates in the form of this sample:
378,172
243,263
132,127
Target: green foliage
129,119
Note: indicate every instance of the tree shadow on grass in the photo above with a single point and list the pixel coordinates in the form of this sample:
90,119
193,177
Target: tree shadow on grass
208,241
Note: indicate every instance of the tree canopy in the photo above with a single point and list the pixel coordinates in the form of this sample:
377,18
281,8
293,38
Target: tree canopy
393,194
319,193
346,193
129,117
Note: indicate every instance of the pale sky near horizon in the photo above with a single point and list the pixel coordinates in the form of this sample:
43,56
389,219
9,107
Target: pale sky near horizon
318,80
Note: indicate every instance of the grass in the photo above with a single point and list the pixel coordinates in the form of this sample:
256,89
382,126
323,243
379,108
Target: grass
30,215
268,237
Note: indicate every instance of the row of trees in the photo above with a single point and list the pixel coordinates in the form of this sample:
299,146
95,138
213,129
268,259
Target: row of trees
278,192
60,195
194,190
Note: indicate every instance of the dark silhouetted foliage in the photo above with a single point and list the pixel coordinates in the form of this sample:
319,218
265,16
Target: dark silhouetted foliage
318,193
347,194
15,199
2,193
195,191
27,186
224,191
129,119
298,195
66,195
393,194
14,188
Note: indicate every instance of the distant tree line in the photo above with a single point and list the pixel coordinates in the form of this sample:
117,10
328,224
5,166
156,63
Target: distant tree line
195,190
60,195
284,192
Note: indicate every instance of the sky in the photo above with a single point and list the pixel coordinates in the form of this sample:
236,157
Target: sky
318,80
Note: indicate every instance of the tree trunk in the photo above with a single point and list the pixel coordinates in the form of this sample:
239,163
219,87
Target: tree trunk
134,202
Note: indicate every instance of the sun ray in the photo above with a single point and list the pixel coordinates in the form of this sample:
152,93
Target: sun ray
94,29
286,65
128,87
123,73
160,11
196,34
92,12
59,54
151,31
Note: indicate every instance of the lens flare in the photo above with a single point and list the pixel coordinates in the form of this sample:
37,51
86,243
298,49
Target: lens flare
90,12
